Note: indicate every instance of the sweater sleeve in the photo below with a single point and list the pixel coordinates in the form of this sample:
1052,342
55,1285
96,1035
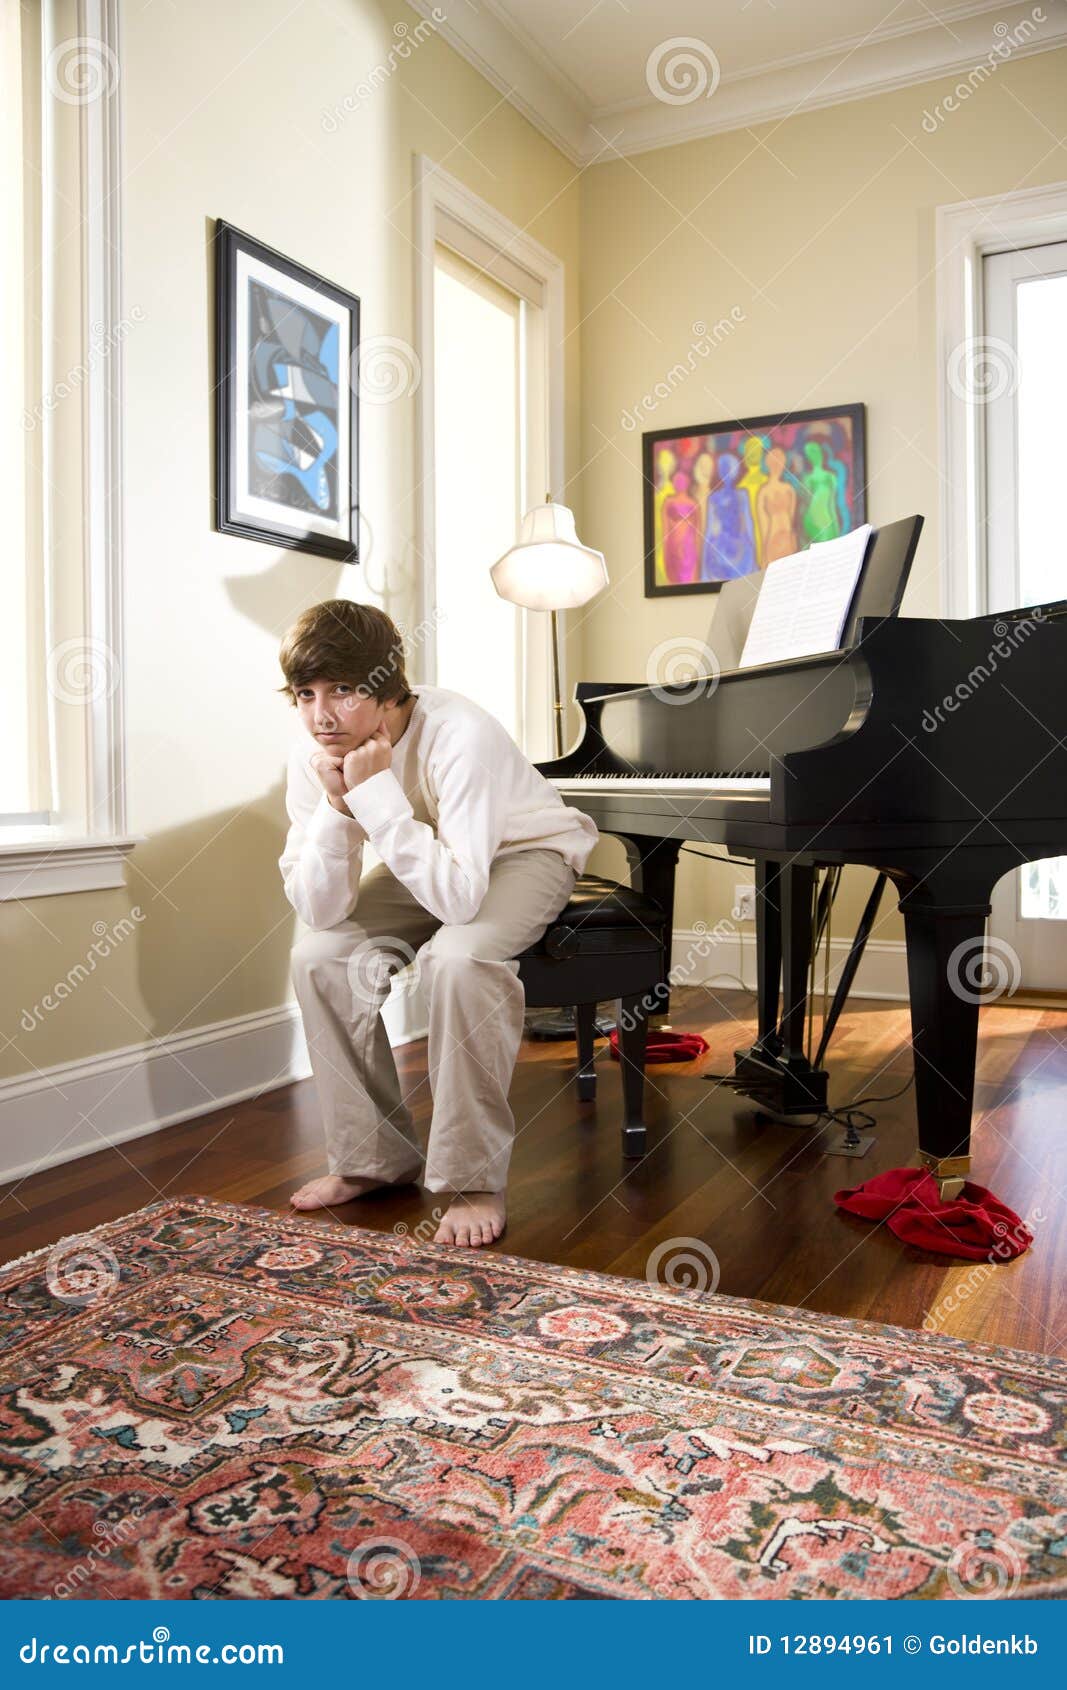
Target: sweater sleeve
323,856
447,873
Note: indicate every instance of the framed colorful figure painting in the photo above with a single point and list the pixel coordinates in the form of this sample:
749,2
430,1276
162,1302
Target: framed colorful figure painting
725,499
286,452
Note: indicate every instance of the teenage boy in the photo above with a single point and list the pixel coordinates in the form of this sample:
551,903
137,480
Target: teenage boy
477,852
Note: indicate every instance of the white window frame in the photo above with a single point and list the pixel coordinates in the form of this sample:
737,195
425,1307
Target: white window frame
54,863
965,233
438,197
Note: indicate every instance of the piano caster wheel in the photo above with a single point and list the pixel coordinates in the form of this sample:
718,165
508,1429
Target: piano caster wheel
950,1172
634,1140
586,1088
950,1189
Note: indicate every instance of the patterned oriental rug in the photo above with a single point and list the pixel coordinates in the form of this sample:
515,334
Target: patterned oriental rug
208,1400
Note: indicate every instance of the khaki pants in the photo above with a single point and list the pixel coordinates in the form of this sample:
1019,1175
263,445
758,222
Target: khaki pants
476,1000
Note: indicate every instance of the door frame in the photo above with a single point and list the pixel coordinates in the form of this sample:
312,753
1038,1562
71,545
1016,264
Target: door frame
444,206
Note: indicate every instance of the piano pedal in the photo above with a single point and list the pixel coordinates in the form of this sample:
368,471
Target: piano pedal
779,1086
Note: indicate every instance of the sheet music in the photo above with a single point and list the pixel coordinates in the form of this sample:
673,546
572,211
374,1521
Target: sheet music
805,599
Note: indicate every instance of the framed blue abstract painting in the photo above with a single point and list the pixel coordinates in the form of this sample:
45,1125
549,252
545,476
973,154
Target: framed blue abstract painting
287,342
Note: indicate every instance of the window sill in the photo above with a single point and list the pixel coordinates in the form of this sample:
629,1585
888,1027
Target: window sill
45,868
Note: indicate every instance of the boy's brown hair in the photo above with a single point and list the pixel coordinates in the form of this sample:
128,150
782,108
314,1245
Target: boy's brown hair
340,640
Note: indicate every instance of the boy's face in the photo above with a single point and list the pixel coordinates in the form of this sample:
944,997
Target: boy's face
337,715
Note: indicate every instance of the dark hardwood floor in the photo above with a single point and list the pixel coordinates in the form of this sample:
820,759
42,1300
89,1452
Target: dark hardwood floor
759,1196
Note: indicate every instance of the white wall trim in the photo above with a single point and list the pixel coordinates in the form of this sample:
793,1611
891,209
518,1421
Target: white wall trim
831,73
883,972
437,192
32,869
74,1109
965,232
102,200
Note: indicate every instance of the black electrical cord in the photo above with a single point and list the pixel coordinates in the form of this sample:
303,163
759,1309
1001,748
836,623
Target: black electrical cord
717,857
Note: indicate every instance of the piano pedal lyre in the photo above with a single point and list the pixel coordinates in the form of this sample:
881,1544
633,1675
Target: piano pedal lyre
950,1172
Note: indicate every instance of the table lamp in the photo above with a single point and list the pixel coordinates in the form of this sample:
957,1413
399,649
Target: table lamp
548,568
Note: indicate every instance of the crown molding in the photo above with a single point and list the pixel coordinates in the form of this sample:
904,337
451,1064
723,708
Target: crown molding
851,68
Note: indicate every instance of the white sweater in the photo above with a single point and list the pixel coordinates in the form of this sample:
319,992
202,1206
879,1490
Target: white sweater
458,793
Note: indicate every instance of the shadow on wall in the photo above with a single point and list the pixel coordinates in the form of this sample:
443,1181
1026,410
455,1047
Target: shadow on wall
217,917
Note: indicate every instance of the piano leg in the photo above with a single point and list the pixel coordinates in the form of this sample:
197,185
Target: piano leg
798,884
585,1025
633,1021
944,1027
768,954
652,864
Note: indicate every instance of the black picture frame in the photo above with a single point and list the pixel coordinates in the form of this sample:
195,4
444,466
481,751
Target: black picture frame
653,441
287,433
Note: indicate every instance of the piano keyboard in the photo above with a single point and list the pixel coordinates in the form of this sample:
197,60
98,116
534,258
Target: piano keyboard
691,784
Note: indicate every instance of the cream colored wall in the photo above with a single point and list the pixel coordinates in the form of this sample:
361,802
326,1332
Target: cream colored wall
820,229
223,108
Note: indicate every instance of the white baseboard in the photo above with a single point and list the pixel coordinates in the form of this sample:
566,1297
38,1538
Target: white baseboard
705,959
57,1114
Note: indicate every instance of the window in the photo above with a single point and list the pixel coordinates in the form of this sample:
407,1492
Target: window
480,485
25,771
1026,321
62,798
490,431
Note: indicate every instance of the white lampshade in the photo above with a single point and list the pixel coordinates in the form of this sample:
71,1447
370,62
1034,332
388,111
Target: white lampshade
548,568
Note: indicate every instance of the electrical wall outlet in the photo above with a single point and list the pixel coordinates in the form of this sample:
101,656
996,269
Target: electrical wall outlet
744,903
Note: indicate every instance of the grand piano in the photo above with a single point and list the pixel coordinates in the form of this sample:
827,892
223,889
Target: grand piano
933,752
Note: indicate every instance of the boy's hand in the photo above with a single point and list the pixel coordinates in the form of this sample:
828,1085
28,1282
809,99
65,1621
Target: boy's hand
330,771
370,758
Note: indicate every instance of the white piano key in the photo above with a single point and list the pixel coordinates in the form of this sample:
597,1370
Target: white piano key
692,785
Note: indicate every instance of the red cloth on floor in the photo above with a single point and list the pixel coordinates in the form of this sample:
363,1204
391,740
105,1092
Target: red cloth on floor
976,1225
666,1047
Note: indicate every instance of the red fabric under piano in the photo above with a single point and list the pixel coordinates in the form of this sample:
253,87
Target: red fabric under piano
975,1225
666,1047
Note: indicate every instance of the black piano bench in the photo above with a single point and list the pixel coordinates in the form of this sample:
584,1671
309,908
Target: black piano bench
607,942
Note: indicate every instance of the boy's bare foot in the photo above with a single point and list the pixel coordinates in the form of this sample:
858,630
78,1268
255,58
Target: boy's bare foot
324,1192
474,1217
